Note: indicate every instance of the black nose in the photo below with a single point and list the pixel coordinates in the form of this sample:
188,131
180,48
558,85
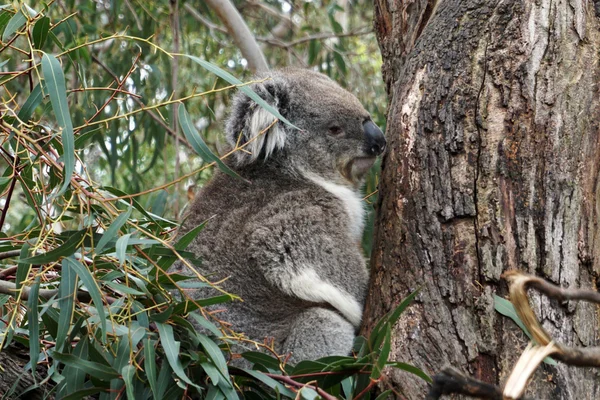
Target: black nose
374,139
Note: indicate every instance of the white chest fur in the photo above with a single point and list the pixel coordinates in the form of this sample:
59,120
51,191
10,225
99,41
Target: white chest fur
351,201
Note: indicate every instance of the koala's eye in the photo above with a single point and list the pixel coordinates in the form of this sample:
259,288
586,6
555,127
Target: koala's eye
336,131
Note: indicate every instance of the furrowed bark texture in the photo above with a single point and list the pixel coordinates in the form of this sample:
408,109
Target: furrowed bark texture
493,164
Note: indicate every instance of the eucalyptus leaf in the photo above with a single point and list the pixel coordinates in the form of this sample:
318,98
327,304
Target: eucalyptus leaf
55,82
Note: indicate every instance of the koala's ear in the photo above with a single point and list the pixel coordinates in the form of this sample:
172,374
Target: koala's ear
251,125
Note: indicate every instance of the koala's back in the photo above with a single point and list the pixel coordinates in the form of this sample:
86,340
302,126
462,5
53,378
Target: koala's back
276,235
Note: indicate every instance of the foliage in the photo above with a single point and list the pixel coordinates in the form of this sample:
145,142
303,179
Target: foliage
92,110
507,309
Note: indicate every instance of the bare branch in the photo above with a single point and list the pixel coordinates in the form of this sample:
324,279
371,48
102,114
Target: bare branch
237,28
9,254
289,381
10,289
452,381
518,285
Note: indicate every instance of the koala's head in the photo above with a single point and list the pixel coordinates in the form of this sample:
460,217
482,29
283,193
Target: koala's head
336,140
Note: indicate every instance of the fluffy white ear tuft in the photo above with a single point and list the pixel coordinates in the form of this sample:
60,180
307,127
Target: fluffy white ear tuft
263,137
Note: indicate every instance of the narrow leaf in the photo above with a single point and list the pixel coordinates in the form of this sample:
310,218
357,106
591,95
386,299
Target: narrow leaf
150,365
121,248
244,88
261,358
64,250
34,324
112,230
507,309
55,82
215,354
171,349
40,32
181,244
90,283
34,100
383,356
128,372
100,371
412,369
66,293
192,135
14,24
270,382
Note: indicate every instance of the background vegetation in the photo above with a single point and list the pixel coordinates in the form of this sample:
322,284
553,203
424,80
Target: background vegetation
100,158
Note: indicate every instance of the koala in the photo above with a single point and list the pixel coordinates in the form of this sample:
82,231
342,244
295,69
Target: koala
286,237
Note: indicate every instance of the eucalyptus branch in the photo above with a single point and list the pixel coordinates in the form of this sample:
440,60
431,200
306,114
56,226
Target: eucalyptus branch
291,382
10,288
241,35
9,254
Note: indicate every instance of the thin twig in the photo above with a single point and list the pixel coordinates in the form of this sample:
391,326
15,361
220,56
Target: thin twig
291,382
152,115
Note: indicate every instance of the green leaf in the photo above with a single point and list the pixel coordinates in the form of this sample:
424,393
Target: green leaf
412,369
40,32
136,204
385,395
376,336
171,349
206,324
192,135
90,283
55,82
121,248
215,354
83,393
507,309
66,294
383,355
34,100
33,322
339,61
150,365
212,372
97,370
113,230
244,88
123,289
270,382
23,269
313,51
128,372
64,250
14,24
262,359
75,377
308,367
214,394
181,244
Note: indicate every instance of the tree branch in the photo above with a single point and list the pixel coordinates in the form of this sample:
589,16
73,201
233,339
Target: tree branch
241,35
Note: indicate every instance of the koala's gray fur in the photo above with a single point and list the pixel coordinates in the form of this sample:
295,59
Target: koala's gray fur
288,237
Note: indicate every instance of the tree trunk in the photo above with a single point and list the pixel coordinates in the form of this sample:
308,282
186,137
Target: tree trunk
493,164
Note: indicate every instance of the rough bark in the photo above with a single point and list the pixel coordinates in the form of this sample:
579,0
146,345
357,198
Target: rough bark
493,164
15,381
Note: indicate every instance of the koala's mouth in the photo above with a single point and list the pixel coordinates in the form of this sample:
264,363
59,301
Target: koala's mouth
357,167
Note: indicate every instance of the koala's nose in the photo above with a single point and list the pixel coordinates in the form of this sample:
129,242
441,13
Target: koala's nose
374,139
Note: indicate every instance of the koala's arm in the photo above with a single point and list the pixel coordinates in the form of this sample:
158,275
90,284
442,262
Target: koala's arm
304,255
